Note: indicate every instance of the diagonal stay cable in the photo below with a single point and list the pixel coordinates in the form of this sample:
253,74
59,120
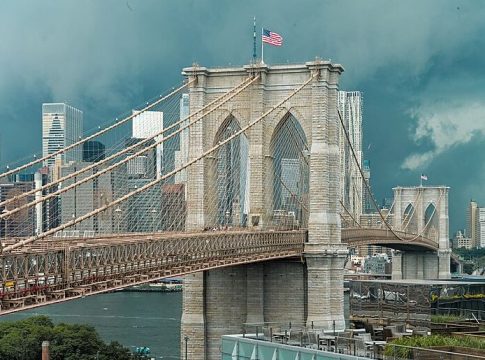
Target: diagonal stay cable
156,181
348,213
363,178
237,90
99,133
427,224
368,188
123,151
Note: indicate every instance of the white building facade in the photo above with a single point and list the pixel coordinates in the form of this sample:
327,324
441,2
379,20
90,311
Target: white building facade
481,227
149,124
62,125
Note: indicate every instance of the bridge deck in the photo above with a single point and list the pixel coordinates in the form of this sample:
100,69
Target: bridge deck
52,271
60,269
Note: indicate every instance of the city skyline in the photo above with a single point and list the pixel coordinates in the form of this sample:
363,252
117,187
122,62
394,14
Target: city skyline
419,116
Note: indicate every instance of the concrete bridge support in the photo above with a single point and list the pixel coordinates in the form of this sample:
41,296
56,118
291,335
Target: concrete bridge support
229,300
303,291
423,209
419,265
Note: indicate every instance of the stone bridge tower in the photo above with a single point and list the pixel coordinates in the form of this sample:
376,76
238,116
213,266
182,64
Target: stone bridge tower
422,210
303,291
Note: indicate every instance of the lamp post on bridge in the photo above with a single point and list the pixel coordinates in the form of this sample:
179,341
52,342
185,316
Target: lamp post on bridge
228,216
5,221
186,338
118,218
73,217
154,212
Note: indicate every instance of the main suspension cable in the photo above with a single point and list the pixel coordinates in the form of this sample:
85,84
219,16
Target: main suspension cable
156,181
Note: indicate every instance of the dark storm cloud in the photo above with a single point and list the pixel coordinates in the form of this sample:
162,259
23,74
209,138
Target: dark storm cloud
419,64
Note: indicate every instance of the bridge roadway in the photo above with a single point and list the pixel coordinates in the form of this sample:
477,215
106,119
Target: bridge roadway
54,270
384,237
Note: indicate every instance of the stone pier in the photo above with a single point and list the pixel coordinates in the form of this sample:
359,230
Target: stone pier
423,211
307,290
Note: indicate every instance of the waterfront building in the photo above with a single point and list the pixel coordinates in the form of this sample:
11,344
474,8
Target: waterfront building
62,125
146,125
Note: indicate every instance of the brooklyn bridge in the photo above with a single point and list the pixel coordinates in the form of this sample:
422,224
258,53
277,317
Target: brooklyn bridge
254,207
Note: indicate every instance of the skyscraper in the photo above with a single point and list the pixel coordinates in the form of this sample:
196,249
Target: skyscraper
472,223
62,125
481,228
350,105
367,195
93,151
182,155
146,125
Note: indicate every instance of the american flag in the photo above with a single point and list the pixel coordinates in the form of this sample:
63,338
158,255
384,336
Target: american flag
272,38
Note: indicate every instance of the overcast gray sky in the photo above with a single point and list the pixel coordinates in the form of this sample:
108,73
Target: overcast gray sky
419,63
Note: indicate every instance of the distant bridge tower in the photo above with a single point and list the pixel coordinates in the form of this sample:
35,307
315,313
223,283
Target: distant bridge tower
303,291
422,210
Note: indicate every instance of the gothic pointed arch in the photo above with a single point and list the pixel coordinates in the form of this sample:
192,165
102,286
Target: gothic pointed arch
289,152
431,222
232,175
409,219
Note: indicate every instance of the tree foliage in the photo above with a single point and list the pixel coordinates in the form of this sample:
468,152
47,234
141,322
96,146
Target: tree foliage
22,340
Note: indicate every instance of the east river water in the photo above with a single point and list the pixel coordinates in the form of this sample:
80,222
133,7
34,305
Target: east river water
131,318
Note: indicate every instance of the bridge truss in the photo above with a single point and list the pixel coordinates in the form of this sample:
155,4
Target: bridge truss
55,271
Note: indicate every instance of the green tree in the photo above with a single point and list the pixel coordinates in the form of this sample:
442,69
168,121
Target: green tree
22,340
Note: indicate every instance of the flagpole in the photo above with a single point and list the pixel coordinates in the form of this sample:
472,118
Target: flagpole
421,180
254,40
262,48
